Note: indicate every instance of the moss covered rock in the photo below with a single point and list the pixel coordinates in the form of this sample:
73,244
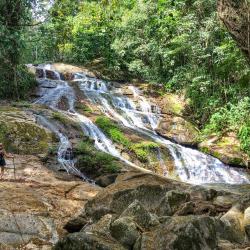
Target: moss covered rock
226,148
82,241
172,104
172,202
20,133
178,129
125,231
184,232
140,215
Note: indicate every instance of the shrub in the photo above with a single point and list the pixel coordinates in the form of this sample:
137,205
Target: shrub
234,117
93,162
142,149
59,117
112,130
244,136
19,88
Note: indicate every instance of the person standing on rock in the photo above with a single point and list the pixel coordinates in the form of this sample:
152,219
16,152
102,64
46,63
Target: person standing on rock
3,154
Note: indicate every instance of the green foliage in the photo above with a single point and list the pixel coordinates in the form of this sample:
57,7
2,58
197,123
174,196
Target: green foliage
112,130
67,122
15,82
180,44
52,150
232,118
59,117
21,104
3,132
93,162
83,107
143,149
244,136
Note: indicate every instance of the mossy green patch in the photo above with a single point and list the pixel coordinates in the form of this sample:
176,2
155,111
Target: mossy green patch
67,122
24,137
83,107
93,162
112,130
140,150
21,104
59,117
143,149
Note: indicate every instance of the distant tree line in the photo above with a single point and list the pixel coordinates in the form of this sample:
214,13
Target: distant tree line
14,79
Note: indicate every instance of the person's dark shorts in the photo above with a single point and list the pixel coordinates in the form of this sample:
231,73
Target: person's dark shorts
2,163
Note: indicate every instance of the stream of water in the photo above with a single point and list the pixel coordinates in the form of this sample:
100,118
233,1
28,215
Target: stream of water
136,113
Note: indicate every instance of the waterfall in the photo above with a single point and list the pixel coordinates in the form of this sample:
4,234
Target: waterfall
51,98
137,113
67,164
191,165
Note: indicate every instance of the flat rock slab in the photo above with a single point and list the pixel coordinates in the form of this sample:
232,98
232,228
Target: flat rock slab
35,207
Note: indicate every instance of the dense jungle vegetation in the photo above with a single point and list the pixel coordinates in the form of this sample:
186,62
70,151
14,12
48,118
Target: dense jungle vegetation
180,46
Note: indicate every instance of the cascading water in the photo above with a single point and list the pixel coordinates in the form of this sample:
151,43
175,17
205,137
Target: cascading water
51,98
191,165
67,164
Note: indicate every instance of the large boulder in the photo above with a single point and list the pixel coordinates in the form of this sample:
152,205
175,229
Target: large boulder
140,215
147,188
178,129
171,202
20,133
173,124
86,241
226,148
125,231
234,219
182,233
246,222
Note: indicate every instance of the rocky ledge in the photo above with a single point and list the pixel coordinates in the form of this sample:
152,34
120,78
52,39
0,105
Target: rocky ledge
144,211
226,148
37,203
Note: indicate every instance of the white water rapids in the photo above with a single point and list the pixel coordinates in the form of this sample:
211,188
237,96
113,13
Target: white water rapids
191,165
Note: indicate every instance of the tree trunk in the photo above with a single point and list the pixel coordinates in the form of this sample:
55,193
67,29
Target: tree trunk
235,14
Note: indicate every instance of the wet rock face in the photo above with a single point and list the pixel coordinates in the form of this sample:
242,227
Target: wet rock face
40,73
137,212
47,84
51,75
